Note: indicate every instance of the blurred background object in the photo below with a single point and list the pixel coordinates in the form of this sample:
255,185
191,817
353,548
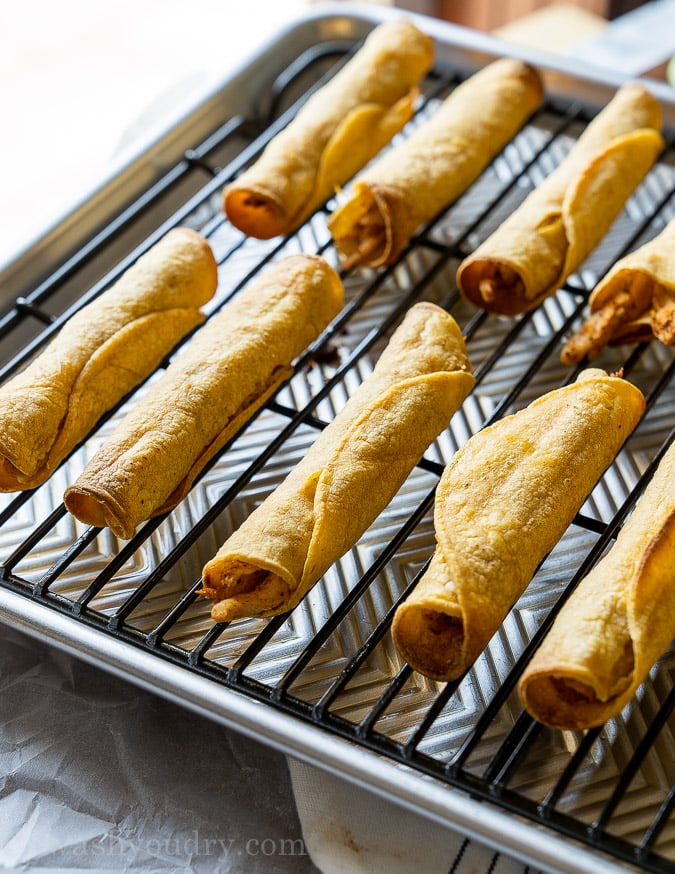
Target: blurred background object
488,14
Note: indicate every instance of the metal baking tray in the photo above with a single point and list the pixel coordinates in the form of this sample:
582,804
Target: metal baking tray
324,683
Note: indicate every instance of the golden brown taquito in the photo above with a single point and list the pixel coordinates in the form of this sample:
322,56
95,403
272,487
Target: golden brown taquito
342,126
222,376
348,476
410,184
616,624
559,223
502,504
635,301
100,354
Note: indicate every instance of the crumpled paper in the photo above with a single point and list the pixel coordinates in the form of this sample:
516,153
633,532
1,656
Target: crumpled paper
97,774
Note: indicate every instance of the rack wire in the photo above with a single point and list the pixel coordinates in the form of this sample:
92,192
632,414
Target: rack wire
331,662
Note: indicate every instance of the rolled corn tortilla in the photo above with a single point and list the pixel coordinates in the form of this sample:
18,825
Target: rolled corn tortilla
222,376
502,504
342,126
616,624
559,223
410,184
100,354
635,301
348,476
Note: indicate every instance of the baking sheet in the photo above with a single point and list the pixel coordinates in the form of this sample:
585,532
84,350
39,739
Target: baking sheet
423,267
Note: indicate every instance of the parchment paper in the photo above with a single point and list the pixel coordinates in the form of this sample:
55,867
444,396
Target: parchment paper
97,774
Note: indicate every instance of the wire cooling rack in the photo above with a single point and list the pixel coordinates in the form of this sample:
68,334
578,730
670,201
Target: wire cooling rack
330,664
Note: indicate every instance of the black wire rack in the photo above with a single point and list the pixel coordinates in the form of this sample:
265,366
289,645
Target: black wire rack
331,661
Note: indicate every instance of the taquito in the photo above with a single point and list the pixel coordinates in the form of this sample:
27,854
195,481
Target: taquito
348,476
502,504
616,624
410,184
529,256
222,376
341,127
100,354
635,301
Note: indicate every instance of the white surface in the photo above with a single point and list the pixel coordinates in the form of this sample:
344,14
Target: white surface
347,831
78,76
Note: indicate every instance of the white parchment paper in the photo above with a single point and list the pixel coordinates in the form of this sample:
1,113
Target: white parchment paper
96,774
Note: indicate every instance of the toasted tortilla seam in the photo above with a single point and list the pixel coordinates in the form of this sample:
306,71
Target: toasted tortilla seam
438,162
616,624
100,354
502,504
349,474
226,372
342,126
626,305
560,222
